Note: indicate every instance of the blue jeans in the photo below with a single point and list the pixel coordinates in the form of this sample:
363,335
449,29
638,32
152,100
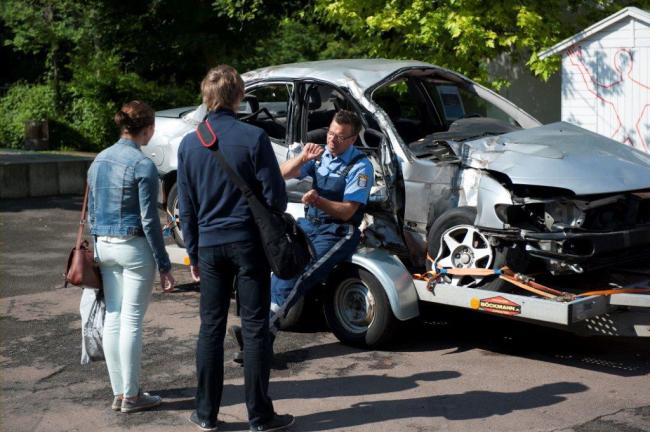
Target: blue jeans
333,243
221,267
128,269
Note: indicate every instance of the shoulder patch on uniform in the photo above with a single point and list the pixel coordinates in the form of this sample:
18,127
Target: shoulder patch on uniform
362,180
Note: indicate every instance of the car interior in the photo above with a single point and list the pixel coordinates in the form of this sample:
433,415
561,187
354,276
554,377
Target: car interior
322,102
428,111
267,107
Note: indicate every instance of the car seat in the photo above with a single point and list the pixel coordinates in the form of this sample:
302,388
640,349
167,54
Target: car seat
318,121
408,129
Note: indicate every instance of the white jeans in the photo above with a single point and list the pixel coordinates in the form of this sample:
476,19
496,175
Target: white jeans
128,270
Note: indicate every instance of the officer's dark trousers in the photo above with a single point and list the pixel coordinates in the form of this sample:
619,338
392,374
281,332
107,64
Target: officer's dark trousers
333,243
219,266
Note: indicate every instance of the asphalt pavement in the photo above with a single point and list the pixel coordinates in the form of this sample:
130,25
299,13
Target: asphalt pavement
451,371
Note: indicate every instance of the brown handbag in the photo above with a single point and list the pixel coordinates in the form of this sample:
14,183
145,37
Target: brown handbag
82,270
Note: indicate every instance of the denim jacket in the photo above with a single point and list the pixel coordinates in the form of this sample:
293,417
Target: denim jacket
123,189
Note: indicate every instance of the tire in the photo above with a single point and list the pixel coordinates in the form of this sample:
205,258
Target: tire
357,310
172,208
463,216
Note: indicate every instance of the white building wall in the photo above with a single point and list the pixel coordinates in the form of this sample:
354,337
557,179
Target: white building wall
606,83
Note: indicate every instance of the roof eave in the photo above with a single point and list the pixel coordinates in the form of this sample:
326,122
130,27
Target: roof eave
633,12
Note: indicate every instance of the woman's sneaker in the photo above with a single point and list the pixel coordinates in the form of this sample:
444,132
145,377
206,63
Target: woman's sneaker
117,403
143,402
279,422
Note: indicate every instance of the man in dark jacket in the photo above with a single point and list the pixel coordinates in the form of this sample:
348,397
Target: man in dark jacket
222,242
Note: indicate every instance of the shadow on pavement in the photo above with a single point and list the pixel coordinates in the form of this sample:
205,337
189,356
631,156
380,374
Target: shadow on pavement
449,328
464,406
359,385
326,350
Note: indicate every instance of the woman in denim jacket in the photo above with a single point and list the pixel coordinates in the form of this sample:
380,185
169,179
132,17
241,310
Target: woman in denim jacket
123,216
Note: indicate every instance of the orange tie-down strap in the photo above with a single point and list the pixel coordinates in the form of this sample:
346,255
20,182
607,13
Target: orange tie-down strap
521,281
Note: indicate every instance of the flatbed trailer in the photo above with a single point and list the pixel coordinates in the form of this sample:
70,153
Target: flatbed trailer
360,307
611,315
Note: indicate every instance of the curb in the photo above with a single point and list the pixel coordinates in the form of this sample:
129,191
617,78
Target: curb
25,175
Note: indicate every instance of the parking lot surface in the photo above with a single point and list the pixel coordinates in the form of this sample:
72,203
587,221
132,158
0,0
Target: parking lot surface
451,371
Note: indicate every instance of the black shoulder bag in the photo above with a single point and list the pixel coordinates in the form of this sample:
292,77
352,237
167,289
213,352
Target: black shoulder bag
286,246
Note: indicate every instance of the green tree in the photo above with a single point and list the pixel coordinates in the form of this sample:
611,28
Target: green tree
465,34
44,26
95,56
284,31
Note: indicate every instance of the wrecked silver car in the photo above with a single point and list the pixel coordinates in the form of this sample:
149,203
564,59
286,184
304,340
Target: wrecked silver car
462,175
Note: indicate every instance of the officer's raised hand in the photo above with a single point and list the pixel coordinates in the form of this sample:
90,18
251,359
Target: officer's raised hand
291,168
310,152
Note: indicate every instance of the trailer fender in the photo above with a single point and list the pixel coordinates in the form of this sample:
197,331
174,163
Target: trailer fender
394,278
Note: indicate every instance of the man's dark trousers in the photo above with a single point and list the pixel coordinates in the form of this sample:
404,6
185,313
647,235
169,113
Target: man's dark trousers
219,267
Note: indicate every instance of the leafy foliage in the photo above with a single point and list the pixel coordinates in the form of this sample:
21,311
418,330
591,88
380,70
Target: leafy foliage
77,62
21,103
465,34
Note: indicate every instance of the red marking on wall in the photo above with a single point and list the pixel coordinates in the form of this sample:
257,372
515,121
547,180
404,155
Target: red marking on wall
576,59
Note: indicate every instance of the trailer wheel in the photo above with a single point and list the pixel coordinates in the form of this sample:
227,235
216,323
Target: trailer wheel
458,223
358,311
172,209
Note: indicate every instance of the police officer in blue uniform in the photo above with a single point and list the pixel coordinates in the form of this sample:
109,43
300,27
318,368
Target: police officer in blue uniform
342,177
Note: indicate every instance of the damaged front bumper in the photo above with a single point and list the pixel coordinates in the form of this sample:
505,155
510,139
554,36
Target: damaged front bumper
574,251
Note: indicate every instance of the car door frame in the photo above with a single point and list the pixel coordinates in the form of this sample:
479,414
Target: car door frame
394,182
280,150
430,187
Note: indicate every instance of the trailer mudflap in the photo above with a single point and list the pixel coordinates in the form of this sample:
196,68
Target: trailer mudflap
626,322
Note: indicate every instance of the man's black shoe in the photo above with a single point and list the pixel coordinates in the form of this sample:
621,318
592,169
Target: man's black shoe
235,333
278,423
202,424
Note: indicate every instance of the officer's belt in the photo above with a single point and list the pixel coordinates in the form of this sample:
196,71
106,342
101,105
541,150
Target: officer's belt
317,221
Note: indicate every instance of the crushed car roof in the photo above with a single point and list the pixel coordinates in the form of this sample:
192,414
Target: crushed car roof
364,72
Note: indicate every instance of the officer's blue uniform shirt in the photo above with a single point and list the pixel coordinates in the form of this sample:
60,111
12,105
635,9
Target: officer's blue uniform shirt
358,181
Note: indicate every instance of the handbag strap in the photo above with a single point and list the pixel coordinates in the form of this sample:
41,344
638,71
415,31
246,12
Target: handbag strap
82,222
204,130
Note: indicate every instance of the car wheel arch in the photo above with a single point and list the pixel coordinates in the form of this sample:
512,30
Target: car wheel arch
168,180
389,272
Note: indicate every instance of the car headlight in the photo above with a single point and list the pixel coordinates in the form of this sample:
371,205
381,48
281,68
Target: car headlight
543,216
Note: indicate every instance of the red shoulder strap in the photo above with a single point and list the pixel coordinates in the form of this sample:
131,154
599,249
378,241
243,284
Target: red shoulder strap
207,136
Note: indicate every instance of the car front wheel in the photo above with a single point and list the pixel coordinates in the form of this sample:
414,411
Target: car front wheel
454,242
357,309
